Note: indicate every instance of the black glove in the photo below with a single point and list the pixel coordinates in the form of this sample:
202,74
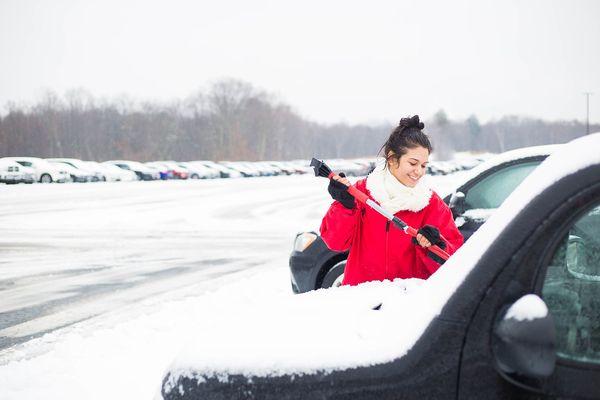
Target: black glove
339,192
432,234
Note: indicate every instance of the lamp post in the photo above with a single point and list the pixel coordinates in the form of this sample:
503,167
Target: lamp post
587,119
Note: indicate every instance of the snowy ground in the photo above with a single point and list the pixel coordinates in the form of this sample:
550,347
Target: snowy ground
102,284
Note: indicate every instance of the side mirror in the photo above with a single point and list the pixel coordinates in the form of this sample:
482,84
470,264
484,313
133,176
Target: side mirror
524,339
457,203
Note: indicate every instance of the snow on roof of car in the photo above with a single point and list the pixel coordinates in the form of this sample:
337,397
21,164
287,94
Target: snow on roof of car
336,329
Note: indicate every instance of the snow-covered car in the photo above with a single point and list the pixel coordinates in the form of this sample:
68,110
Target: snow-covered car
302,166
514,313
142,172
44,171
255,169
241,168
112,173
285,167
164,171
81,166
27,175
10,171
224,171
199,171
75,174
266,169
175,169
313,265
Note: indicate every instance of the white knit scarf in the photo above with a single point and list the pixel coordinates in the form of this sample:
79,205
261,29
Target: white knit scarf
393,195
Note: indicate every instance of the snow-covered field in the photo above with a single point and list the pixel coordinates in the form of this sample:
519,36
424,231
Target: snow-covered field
103,284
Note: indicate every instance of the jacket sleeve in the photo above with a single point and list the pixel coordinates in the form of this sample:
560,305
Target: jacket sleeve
339,225
440,216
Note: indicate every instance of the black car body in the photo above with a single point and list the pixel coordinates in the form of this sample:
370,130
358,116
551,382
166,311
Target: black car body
484,343
313,265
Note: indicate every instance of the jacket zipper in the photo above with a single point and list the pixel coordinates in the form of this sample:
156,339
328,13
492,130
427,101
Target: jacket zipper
387,233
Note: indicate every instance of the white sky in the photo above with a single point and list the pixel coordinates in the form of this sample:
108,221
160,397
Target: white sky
331,60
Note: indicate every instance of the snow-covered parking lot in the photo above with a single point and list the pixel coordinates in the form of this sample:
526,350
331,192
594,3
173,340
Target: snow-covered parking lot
182,290
102,284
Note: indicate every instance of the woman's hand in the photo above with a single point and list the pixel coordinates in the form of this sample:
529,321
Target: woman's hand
338,189
342,178
429,235
422,240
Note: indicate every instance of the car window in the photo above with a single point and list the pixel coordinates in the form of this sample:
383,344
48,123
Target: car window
572,290
492,190
25,163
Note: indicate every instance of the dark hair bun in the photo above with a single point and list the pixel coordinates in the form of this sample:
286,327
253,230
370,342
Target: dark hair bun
411,123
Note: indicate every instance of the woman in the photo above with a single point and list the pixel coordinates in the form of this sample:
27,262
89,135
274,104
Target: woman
378,251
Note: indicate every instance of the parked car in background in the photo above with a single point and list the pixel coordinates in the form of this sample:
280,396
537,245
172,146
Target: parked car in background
75,174
27,175
175,170
142,172
284,167
240,168
254,169
301,166
163,170
10,171
44,172
92,176
514,314
223,170
111,173
199,171
264,169
313,265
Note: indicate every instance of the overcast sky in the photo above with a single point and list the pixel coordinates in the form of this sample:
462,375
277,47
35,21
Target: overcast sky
367,61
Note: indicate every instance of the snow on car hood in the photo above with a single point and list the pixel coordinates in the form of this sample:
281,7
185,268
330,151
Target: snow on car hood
337,329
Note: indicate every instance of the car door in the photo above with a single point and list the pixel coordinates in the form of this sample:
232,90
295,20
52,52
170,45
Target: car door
553,250
570,286
488,191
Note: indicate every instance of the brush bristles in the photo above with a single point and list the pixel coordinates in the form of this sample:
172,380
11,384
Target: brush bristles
321,169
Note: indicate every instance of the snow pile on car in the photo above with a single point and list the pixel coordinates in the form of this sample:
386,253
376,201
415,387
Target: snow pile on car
313,331
337,329
528,308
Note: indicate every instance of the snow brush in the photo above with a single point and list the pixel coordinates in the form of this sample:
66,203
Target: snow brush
321,169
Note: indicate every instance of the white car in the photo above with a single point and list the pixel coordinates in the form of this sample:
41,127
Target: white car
224,171
10,171
84,169
242,168
200,171
44,171
143,172
111,173
75,174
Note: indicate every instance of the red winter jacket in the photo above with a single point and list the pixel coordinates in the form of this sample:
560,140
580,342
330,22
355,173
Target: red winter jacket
379,251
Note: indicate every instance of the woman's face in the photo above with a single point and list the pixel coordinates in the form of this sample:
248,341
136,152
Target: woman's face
410,167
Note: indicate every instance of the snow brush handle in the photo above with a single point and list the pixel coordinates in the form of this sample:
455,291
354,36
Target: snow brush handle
362,197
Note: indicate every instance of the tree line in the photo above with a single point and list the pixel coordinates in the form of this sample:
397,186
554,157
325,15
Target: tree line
233,120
